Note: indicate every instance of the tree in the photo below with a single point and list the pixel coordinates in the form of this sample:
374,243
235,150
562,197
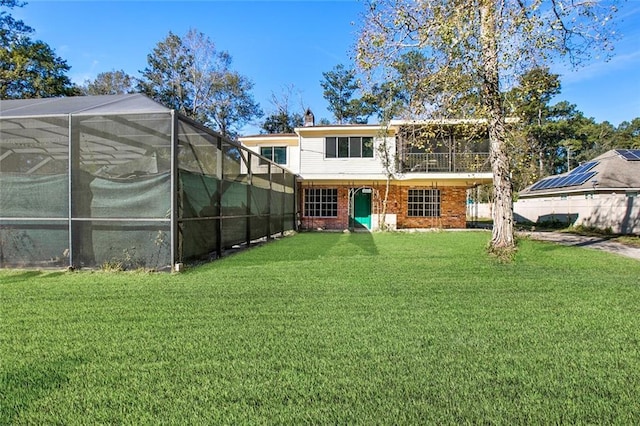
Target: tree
553,138
110,83
191,76
569,138
281,122
30,69
340,86
628,134
166,78
471,49
387,100
10,29
231,105
282,119
529,102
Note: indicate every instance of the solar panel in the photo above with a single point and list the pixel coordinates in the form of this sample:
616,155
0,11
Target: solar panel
555,182
589,176
538,185
579,178
584,167
629,154
562,181
572,179
548,183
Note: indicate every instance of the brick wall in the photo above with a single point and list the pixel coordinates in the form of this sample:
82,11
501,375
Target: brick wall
339,222
453,208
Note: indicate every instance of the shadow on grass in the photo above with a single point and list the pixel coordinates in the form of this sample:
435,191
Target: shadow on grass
22,387
588,243
314,245
551,248
23,276
305,246
364,242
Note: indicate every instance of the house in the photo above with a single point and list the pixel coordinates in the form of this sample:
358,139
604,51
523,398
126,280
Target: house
423,169
601,193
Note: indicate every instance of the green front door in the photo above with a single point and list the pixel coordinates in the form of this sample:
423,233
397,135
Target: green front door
362,209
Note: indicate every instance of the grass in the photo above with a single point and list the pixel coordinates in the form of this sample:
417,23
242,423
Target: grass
330,329
628,240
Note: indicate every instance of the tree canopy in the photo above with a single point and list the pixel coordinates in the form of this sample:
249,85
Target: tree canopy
28,68
110,83
283,118
31,69
191,76
10,28
554,138
340,88
470,50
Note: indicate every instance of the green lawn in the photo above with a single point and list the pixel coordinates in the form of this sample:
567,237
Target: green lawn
330,329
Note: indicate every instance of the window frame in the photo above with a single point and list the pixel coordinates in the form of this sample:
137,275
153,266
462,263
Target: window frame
336,147
271,156
424,202
321,202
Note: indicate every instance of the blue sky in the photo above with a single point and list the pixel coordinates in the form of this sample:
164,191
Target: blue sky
286,43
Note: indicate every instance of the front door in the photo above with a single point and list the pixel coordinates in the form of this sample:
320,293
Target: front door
362,209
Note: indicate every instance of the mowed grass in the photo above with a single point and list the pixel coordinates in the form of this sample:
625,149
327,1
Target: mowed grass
330,329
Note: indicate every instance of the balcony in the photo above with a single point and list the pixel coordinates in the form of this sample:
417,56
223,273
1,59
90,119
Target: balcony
472,162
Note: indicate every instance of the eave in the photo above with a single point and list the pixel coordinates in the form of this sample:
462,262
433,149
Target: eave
344,130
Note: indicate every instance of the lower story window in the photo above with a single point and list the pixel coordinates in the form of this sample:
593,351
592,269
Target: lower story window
424,203
321,202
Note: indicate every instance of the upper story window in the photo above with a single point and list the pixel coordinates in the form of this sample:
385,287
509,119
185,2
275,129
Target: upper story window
349,147
277,154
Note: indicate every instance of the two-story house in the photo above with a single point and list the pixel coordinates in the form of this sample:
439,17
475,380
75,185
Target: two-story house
346,174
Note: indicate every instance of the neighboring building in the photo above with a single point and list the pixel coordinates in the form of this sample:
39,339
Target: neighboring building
342,175
602,193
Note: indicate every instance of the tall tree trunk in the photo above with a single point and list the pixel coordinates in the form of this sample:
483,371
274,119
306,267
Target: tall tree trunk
502,236
383,216
386,158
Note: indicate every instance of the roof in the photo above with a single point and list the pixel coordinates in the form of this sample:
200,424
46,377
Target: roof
323,130
115,129
447,121
343,130
80,105
610,171
273,139
372,129
270,136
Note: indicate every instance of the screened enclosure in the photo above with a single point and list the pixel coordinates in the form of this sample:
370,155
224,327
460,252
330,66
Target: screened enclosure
121,180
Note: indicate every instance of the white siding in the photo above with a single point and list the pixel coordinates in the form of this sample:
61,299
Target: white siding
313,161
615,211
293,156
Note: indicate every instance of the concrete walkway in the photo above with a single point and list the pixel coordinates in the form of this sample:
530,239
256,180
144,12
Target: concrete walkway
596,243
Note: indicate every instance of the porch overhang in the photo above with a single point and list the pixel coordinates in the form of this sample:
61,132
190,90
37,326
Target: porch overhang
468,180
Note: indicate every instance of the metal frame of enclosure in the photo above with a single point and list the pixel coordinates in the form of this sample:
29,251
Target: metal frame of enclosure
121,181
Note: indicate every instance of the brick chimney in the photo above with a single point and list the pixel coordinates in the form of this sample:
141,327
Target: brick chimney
309,119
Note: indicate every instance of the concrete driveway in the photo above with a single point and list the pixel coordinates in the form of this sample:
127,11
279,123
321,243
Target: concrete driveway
596,243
